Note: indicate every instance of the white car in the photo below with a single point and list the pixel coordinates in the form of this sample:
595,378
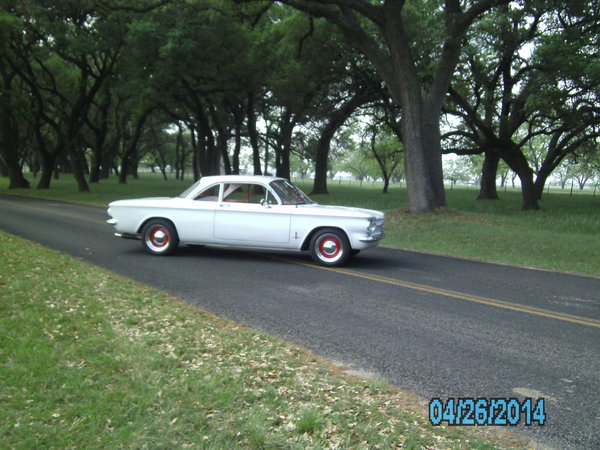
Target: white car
248,211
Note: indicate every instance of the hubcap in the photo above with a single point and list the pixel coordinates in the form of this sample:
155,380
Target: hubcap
330,248
158,238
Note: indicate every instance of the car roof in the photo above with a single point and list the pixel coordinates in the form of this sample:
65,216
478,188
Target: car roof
208,180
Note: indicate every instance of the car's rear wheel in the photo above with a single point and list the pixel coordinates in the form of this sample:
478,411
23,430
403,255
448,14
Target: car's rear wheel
159,237
330,247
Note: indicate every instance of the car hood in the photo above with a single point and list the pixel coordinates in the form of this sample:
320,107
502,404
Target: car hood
341,211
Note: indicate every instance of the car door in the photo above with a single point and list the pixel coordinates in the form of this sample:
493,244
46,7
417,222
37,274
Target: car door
194,217
245,218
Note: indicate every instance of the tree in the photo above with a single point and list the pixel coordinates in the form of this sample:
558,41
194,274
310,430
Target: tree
306,85
458,170
62,54
387,153
355,87
360,162
382,133
490,97
585,167
100,134
508,98
13,104
390,34
567,85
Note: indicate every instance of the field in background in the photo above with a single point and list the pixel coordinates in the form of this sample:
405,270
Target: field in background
564,235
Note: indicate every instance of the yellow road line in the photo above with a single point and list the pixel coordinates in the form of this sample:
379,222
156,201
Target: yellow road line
454,294
56,213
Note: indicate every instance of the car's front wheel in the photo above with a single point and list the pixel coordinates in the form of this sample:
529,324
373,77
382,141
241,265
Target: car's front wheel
159,237
330,247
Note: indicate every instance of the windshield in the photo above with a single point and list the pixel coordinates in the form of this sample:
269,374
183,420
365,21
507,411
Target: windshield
289,194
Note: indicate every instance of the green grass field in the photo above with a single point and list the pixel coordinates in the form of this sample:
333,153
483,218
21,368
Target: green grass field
91,360
564,235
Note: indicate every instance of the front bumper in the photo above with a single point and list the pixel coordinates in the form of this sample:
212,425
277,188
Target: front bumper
373,237
374,231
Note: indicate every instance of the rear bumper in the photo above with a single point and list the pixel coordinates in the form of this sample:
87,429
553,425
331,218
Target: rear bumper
113,221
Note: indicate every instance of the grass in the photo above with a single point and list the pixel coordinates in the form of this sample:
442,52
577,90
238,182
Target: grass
92,360
564,235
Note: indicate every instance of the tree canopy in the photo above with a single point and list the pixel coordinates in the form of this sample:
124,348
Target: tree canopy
95,87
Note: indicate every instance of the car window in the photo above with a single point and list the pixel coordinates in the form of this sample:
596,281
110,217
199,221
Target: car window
244,193
289,194
210,194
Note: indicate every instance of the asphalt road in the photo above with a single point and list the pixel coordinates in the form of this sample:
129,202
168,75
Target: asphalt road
436,326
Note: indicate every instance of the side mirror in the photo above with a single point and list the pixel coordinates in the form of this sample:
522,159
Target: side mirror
265,203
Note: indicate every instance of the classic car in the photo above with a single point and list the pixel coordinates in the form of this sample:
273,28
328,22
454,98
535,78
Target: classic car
259,212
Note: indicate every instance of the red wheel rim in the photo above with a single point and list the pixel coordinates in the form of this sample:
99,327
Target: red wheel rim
159,237
330,247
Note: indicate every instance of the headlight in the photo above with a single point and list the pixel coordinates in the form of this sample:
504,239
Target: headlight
372,225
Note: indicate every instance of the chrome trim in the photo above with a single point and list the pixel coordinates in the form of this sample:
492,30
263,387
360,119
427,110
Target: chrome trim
128,236
111,221
376,237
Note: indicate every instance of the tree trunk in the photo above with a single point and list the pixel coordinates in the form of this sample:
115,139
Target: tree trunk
266,161
12,166
283,169
16,180
422,157
9,147
518,163
107,163
126,161
284,147
283,155
179,162
209,161
552,160
95,169
46,175
48,168
221,150
386,183
224,155
420,121
253,134
98,157
489,171
235,160
77,166
321,161
195,153
540,181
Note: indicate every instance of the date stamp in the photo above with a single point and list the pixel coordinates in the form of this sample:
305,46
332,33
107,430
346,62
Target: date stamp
487,411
